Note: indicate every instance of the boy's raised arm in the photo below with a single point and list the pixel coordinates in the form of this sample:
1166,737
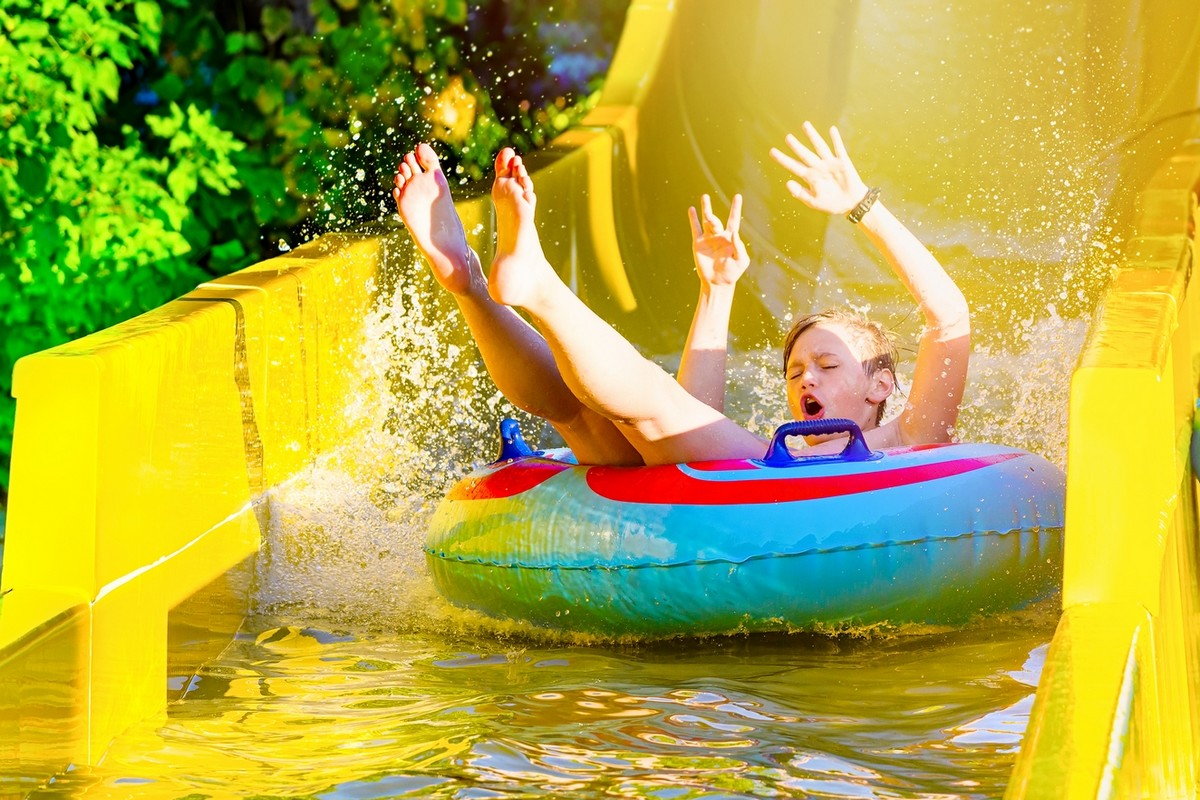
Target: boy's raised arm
830,183
940,376
720,258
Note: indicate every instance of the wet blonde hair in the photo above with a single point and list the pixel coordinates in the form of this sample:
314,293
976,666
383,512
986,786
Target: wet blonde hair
876,343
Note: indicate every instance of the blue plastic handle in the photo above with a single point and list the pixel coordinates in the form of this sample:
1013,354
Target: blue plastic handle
512,443
856,449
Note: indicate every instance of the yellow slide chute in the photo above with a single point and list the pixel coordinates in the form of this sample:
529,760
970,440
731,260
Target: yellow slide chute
1023,143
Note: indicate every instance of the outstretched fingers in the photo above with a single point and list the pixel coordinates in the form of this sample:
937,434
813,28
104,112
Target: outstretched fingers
735,216
712,223
705,222
818,143
787,162
694,219
806,156
839,148
801,192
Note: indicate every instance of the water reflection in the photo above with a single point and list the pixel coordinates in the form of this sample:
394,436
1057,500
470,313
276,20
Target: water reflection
315,710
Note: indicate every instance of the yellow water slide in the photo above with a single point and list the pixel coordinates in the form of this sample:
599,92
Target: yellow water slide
1039,149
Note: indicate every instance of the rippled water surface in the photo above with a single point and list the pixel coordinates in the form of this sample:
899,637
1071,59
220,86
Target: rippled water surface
317,711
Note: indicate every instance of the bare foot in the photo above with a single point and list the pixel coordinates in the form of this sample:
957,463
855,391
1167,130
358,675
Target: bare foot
423,200
519,268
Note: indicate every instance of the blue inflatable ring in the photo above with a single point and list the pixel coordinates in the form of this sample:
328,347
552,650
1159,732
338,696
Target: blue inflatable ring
934,534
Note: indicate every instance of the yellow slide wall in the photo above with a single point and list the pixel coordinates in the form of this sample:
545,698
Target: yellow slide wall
139,457
1118,706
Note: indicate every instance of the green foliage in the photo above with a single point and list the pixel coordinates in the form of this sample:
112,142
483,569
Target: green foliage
327,95
93,227
146,145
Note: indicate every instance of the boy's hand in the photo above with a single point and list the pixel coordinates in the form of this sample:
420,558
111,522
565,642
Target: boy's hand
830,181
720,256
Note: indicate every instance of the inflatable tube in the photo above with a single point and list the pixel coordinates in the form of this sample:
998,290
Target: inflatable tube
932,534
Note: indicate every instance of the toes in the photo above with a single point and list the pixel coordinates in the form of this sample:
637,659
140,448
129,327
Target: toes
410,163
427,157
504,162
522,175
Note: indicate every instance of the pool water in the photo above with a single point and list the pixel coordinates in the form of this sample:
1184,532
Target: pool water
311,708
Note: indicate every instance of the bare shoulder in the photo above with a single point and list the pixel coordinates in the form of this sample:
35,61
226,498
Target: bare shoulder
886,435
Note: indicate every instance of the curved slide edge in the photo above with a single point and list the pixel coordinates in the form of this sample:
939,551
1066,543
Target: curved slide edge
1117,712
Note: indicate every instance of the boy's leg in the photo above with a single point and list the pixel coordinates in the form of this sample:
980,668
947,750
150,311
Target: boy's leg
516,356
656,414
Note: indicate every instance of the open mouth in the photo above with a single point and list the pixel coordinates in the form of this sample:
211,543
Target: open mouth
811,406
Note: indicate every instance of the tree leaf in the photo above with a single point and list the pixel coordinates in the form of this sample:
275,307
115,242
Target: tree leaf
149,17
169,87
33,175
276,20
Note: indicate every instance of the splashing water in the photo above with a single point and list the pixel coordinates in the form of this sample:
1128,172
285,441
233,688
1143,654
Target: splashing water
1019,395
346,536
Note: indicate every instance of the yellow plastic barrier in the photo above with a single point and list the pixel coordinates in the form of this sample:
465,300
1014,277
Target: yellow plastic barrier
140,452
139,457
1118,707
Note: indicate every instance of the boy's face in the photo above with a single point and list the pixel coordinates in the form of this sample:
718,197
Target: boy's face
826,378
